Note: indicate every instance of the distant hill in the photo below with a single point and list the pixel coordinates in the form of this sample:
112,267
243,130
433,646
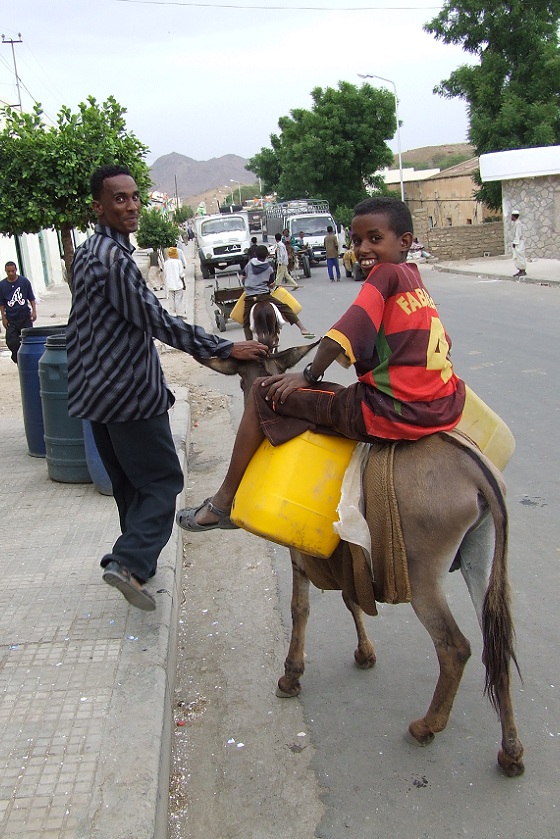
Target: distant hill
198,176
211,180
437,157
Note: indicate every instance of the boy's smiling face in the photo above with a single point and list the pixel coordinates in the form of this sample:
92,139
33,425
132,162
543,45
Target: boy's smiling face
374,241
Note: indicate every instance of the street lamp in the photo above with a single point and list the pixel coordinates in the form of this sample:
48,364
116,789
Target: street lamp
239,185
383,79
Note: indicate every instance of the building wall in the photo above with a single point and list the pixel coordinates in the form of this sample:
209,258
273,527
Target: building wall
538,202
40,260
468,241
448,201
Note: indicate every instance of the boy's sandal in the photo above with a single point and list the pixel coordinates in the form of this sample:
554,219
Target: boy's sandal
308,334
186,518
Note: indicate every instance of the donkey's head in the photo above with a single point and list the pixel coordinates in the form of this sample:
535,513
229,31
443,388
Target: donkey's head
270,365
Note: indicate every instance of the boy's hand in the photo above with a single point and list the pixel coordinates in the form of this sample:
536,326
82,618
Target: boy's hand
281,385
248,350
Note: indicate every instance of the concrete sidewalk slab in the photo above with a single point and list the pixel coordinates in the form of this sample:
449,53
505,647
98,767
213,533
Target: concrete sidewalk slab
87,680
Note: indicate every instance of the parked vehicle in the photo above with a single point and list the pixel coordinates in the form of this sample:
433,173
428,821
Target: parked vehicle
222,240
308,216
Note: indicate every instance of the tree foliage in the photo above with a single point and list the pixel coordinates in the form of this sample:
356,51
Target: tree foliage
513,94
45,171
182,214
156,230
333,150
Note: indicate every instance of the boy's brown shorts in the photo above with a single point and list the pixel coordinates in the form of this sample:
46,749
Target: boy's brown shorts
326,408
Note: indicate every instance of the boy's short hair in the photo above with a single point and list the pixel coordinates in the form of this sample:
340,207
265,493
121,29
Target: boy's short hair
110,170
395,211
261,252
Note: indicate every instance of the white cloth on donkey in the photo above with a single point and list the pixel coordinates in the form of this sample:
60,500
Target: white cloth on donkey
279,319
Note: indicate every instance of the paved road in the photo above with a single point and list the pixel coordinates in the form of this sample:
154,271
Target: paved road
376,783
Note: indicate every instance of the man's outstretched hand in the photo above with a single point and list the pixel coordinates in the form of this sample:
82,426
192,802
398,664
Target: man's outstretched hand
248,350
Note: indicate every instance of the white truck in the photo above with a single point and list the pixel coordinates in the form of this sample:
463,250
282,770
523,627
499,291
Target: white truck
308,216
222,240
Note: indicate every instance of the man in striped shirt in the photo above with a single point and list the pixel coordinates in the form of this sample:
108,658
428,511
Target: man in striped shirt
115,380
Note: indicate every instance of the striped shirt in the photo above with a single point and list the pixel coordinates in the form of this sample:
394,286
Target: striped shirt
400,350
114,371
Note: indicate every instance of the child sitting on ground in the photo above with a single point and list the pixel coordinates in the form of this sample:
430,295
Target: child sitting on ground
393,336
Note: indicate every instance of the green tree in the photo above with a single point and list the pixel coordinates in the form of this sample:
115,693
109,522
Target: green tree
45,171
513,93
333,150
156,230
183,214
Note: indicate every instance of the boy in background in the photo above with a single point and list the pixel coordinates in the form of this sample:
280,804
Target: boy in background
17,305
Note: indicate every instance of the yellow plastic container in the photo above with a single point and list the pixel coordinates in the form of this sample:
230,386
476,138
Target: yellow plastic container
238,310
279,293
487,430
284,296
289,494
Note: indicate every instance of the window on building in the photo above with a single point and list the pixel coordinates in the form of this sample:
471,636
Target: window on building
469,221
430,221
449,222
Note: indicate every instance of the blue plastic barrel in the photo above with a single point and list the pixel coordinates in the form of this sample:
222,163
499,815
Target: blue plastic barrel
97,471
64,435
32,347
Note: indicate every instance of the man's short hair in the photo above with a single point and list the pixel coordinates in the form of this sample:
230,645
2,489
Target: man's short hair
395,211
329,229
261,252
10,263
278,236
110,170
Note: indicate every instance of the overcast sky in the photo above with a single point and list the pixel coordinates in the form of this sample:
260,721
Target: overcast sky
212,78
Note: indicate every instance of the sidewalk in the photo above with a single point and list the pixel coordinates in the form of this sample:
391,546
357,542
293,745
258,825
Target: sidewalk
87,680
539,271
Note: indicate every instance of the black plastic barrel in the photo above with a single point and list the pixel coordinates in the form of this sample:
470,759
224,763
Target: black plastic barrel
96,468
32,347
64,435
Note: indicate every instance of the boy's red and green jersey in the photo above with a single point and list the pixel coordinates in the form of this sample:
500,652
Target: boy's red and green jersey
400,350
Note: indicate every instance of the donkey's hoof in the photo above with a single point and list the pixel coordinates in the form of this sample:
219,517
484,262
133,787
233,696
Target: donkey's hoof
511,766
287,689
421,733
364,660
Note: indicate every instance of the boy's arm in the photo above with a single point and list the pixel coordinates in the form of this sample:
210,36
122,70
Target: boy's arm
33,310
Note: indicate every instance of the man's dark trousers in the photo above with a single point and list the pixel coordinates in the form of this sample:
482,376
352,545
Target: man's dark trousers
13,334
146,476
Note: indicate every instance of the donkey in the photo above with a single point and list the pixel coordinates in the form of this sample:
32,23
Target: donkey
453,512
265,324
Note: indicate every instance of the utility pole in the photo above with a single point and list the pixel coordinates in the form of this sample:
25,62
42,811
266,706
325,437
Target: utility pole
12,42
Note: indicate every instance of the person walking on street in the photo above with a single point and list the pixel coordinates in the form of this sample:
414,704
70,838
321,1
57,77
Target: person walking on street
174,281
518,245
331,246
17,305
282,274
115,380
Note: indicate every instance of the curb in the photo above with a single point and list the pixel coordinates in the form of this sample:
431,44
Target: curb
528,280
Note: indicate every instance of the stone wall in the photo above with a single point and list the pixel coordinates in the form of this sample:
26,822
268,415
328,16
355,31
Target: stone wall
538,202
468,241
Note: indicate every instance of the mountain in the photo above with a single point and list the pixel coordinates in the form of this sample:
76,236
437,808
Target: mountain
436,157
198,176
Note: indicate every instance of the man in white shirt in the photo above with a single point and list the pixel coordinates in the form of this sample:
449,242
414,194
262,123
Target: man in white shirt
174,279
518,245
282,273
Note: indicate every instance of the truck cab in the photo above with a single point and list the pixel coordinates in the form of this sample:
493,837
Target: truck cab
222,240
307,215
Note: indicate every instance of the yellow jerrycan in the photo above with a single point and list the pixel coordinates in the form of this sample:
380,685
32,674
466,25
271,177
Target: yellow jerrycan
289,494
485,428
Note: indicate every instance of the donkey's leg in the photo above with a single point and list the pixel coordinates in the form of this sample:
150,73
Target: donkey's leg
453,651
510,756
364,654
289,684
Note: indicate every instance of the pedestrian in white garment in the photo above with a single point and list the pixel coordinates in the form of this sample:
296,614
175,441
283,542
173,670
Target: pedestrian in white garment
518,245
174,279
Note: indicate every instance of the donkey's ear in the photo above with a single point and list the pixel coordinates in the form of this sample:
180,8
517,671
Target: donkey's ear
289,358
226,366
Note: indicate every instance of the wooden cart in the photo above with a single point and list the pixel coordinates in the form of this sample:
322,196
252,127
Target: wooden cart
227,292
